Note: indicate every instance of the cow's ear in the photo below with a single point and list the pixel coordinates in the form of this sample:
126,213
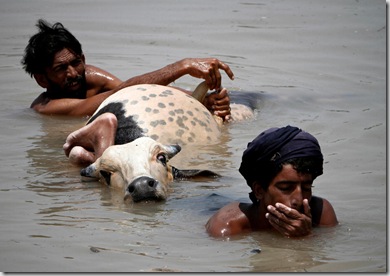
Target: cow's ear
186,174
172,150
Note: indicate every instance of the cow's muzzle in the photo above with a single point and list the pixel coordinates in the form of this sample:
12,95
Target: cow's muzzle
144,188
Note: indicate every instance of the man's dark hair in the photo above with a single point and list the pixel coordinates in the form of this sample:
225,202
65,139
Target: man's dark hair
42,46
305,165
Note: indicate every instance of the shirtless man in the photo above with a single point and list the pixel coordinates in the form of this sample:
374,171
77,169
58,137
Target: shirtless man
280,166
55,59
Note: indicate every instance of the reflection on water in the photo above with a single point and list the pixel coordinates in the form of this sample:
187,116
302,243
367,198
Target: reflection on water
294,255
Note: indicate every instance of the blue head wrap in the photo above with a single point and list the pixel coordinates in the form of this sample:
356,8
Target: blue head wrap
275,146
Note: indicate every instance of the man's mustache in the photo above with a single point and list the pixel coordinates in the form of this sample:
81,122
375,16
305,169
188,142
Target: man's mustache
77,79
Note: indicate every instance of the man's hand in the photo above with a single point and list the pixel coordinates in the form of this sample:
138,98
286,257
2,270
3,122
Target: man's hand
219,103
288,221
207,69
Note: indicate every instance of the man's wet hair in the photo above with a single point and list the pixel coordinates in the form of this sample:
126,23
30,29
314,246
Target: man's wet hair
304,165
41,48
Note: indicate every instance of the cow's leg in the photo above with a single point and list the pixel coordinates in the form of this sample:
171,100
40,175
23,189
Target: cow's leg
88,143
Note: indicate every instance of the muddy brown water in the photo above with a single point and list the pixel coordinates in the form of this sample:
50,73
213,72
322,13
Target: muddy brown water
314,64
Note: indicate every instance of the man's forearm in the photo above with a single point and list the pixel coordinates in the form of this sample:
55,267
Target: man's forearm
163,76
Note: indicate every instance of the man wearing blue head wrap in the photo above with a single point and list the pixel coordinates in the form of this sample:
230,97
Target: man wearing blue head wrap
279,166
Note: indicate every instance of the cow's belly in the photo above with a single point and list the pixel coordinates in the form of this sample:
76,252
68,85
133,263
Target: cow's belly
167,114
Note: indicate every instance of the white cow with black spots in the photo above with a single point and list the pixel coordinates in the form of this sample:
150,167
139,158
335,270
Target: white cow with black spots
152,120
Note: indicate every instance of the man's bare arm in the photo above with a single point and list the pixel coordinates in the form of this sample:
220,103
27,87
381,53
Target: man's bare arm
73,107
204,68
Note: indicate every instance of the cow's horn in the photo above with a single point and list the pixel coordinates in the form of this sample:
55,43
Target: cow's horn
200,91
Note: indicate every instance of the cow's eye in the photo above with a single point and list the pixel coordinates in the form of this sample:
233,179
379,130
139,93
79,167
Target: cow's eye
107,176
162,158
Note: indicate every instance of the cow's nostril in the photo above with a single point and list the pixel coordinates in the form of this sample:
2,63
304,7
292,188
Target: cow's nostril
152,183
131,189
142,185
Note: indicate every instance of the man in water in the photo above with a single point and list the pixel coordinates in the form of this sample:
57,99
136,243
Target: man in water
280,166
55,59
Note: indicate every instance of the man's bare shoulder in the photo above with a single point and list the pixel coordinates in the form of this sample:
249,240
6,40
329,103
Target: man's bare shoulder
328,217
94,71
229,220
99,80
42,99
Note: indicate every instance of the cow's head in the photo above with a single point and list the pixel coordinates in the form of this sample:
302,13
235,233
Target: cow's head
140,168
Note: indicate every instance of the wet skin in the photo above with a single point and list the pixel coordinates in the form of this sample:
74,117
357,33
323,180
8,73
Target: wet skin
283,207
75,88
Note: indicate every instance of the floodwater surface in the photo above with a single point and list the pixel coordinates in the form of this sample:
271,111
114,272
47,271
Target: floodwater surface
318,65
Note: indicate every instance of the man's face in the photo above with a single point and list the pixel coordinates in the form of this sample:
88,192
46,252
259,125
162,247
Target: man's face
290,188
66,76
